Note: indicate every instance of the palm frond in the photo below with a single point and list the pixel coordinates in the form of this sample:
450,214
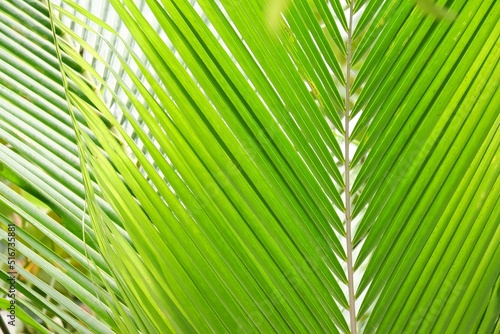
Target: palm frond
193,161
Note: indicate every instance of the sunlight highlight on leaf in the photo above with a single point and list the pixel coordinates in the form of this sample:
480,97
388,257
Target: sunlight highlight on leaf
273,13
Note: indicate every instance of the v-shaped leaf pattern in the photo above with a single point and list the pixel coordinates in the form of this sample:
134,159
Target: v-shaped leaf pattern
253,166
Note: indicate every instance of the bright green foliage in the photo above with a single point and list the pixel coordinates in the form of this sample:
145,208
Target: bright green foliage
189,173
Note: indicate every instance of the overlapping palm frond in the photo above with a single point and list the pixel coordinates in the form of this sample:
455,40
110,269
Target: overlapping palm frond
191,162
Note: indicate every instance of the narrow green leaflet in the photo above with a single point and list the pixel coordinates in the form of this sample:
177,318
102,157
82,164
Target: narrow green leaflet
306,166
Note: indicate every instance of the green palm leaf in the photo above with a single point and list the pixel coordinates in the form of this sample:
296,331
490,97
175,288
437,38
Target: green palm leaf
252,166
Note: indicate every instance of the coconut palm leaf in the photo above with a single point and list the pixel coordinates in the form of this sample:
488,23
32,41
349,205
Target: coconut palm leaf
258,166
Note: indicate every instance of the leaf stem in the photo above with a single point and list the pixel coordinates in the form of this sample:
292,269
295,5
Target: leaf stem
348,218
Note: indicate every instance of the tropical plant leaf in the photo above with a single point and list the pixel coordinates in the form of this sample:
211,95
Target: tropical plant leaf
254,166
